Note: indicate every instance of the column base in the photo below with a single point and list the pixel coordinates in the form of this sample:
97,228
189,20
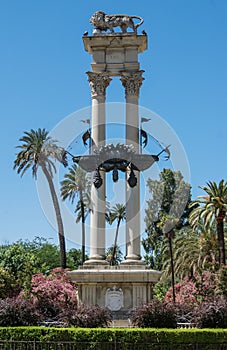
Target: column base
133,259
96,260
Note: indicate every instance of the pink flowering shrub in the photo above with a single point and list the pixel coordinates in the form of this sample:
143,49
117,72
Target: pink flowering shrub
185,293
53,293
56,286
52,297
203,287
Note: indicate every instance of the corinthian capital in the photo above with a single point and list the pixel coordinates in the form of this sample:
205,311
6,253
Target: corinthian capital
132,82
98,83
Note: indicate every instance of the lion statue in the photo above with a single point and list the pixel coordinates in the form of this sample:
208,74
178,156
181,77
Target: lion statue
102,22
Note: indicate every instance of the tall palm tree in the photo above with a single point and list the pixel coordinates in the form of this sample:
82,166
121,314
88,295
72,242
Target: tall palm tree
192,250
213,206
77,184
38,150
117,212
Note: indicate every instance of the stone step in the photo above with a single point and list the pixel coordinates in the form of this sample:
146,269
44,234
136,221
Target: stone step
121,324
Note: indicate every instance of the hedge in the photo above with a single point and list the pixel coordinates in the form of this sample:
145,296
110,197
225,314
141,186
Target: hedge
127,335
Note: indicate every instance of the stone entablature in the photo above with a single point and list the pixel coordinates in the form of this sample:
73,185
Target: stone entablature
114,53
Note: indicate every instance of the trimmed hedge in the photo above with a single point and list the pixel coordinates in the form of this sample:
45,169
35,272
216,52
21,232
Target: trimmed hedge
127,335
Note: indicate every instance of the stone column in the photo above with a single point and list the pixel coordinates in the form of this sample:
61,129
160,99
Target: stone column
132,82
98,83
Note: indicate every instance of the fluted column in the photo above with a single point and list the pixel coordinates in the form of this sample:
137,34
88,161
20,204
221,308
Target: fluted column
98,83
132,83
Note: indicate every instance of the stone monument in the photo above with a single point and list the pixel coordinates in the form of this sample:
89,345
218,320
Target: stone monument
115,54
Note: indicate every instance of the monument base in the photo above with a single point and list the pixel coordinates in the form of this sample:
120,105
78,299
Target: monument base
119,288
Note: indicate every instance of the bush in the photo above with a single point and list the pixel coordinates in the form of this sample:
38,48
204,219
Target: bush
129,338
212,314
53,294
203,286
86,316
18,312
155,314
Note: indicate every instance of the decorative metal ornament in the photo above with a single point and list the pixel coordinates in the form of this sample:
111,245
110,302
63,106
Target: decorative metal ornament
132,180
97,179
115,174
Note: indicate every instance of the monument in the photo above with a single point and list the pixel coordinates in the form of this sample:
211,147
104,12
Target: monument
115,54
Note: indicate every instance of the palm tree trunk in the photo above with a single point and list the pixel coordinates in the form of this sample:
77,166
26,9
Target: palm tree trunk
115,242
83,225
172,267
61,235
221,240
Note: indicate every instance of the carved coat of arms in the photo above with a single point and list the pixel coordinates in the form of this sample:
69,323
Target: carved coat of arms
114,299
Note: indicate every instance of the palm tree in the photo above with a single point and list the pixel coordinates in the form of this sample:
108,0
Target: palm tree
76,183
118,212
193,250
38,150
211,207
118,255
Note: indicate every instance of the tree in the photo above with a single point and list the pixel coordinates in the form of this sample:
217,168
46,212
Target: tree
117,212
19,263
212,206
7,284
74,258
192,250
118,255
168,204
46,254
22,259
76,183
38,150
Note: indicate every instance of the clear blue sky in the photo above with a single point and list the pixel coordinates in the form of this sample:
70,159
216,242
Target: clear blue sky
42,80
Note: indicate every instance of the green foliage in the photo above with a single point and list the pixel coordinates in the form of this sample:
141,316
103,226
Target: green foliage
77,183
118,255
123,336
24,258
74,258
116,213
39,150
168,206
160,289
212,207
18,262
192,250
7,284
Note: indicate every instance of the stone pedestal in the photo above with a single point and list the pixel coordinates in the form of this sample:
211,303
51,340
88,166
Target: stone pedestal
119,288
